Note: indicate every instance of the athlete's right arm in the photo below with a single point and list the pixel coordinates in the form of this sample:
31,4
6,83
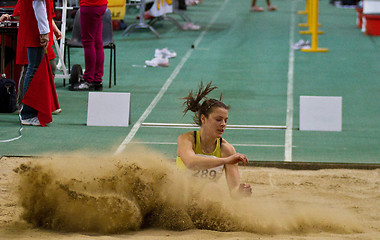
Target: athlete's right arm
185,150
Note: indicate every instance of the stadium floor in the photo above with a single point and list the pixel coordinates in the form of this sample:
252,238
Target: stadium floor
248,56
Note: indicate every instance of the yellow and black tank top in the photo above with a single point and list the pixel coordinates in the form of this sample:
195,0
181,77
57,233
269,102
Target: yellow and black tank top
212,173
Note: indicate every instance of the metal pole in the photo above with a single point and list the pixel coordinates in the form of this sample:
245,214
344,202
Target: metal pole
184,125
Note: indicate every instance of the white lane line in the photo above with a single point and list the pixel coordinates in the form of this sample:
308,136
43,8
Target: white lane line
165,87
289,110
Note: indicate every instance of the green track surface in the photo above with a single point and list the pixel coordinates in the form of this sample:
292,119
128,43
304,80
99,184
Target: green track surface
247,55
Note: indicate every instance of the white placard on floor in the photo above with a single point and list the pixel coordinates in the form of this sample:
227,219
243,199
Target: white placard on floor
320,113
108,109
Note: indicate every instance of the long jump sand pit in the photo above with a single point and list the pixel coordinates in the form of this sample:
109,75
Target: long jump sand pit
141,195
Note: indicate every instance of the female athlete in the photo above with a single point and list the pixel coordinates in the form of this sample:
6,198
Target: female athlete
205,151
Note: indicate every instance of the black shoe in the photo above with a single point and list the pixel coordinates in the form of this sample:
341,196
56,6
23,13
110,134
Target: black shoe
98,86
82,86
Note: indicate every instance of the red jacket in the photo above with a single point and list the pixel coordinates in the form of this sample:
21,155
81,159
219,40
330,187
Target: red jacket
28,34
92,3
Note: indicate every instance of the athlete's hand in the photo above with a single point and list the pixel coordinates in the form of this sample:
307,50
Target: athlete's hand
237,157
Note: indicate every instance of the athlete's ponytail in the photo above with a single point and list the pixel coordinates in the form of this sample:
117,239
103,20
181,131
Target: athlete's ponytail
193,103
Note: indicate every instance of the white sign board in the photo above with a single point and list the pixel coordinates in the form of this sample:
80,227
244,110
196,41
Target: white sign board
108,109
320,113
371,6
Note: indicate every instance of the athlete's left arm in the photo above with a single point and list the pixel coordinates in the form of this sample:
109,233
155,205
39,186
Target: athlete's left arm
232,171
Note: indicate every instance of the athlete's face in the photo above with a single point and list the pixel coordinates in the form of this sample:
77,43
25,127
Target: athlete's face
216,122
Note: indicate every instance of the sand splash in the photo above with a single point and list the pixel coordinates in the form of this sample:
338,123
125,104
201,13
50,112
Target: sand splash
115,194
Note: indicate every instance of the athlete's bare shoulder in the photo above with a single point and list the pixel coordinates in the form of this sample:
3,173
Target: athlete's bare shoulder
227,149
185,142
186,138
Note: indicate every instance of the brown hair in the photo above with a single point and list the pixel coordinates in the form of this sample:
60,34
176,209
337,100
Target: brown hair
193,103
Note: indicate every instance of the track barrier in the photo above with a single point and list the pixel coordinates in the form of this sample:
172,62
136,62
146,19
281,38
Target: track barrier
312,23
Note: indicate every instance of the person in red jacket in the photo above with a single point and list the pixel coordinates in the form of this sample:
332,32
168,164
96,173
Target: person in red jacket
22,57
35,35
91,16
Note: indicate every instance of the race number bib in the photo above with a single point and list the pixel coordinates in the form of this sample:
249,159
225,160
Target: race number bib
211,173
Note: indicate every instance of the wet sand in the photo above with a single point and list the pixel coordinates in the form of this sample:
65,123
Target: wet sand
142,196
